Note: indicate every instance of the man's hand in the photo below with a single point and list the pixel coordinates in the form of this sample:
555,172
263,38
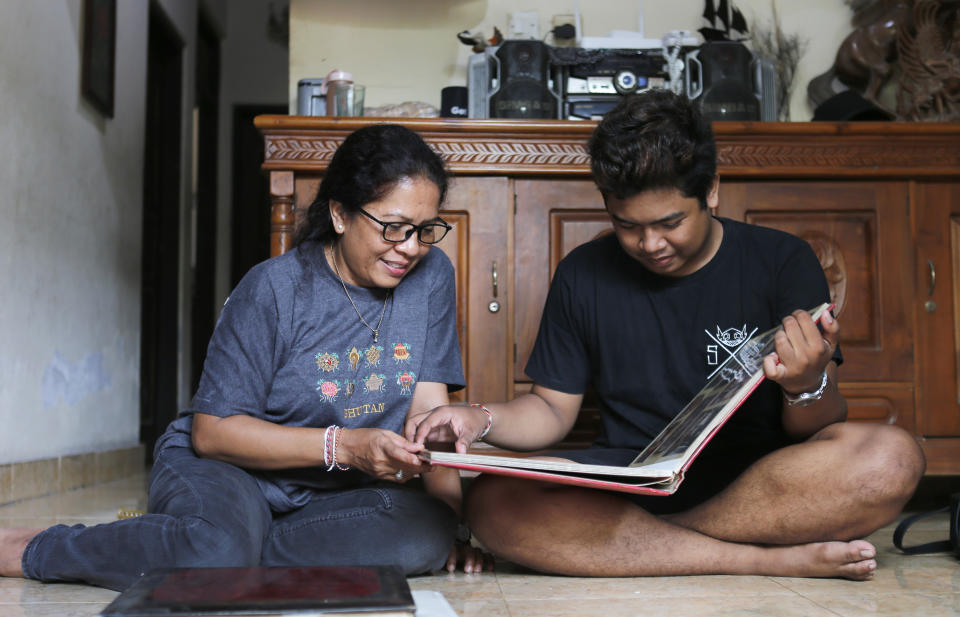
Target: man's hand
802,352
460,424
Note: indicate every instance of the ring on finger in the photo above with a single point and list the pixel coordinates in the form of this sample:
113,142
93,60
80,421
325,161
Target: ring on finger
399,474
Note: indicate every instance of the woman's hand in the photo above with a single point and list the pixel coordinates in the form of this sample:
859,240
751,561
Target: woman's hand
474,560
380,453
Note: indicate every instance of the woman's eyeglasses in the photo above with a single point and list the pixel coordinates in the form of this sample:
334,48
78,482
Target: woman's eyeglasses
428,233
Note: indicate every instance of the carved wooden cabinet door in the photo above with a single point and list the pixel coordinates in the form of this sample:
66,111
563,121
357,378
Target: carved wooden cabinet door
860,231
553,218
479,211
936,299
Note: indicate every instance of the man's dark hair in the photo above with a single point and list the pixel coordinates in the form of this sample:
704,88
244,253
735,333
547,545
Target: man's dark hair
368,165
654,140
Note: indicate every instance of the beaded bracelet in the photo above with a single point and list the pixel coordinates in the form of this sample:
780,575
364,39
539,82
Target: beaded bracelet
328,442
489,420
336,439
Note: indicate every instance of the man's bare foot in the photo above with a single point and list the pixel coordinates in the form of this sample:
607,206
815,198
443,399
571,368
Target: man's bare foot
855,560
13,541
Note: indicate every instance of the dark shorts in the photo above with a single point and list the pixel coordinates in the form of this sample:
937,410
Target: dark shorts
709,474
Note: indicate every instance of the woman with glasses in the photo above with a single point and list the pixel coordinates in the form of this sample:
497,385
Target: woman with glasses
290,452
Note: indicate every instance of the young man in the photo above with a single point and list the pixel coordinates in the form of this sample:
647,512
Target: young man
645,317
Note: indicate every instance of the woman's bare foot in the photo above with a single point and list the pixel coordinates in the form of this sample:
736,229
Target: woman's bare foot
13,541
855,560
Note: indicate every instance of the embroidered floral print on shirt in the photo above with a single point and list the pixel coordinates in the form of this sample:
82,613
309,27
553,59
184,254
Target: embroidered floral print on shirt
329,389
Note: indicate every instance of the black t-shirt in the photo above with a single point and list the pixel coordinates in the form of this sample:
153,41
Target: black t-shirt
647,343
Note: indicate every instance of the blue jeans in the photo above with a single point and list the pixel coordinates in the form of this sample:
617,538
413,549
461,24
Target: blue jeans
206,513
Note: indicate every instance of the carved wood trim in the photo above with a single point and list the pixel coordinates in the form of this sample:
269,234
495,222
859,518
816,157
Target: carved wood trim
479,156
497,152
851,158
555,147
296,149
830,255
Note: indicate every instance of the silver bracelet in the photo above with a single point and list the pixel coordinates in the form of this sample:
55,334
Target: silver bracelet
489,420
806,398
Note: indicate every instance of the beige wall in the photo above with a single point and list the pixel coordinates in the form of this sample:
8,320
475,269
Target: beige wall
407,49
70,237
71,219
70,240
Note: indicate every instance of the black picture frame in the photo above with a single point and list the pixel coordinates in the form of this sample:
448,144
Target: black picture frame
99,53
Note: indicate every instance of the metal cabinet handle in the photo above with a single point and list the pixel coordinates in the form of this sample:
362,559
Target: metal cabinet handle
495,276
933,277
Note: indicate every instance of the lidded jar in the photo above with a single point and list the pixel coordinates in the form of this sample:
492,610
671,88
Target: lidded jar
335,79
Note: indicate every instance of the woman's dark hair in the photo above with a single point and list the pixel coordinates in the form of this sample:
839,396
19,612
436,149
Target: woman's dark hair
368,165
654,140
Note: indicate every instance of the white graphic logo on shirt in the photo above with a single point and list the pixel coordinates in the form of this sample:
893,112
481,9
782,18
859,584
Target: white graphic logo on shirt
731,341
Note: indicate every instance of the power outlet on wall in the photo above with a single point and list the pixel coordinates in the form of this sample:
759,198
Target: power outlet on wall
564,30
524,25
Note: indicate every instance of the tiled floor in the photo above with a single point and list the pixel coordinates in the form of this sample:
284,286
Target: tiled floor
917,586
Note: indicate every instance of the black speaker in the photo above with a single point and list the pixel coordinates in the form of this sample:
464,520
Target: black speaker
523,75
721,79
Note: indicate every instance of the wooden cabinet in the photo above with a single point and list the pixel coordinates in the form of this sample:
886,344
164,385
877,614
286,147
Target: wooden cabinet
936,301
878,202
861,233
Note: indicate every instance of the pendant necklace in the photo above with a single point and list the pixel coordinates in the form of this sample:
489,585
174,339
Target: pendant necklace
374,331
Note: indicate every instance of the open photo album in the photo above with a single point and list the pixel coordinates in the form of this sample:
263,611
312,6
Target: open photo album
660,467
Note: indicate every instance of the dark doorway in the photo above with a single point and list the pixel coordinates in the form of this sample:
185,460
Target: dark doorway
204,268
161,230
250,228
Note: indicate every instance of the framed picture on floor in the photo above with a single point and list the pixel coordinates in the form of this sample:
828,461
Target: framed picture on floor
99,51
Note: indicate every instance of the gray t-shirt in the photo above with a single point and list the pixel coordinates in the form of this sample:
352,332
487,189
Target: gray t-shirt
289,348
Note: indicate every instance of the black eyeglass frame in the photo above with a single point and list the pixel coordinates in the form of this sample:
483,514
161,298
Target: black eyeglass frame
410,229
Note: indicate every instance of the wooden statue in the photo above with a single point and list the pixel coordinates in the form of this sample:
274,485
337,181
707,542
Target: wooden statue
865,59
929,59
918,41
